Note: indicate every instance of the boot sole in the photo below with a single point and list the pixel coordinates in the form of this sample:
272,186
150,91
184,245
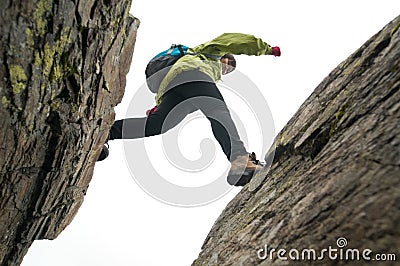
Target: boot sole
240,180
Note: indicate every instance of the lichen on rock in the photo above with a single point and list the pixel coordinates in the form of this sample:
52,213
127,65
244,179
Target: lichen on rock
53,68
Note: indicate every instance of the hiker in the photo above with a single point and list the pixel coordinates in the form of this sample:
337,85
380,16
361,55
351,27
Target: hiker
190,85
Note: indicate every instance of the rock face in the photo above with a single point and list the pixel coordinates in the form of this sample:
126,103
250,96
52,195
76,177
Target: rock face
63,67
335,177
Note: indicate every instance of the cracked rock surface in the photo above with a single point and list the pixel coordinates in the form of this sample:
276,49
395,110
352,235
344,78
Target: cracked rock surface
63,67
335,173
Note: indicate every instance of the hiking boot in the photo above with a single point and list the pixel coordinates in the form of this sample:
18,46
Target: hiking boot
104,153
243,169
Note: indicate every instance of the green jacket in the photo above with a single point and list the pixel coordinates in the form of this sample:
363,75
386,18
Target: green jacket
227,43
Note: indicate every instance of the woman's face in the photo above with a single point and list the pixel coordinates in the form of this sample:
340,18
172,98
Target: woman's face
226,68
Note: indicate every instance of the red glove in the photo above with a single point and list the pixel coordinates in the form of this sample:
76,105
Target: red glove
276,51
150,111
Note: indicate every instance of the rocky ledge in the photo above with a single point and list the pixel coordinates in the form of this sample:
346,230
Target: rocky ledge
335,177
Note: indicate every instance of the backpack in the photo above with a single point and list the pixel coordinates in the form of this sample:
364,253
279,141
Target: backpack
159,66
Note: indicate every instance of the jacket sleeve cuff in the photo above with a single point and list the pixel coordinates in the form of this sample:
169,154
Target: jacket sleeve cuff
268,50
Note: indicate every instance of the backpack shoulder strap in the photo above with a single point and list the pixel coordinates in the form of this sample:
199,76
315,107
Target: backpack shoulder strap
180,49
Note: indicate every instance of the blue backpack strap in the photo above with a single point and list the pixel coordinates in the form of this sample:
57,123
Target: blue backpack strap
181,49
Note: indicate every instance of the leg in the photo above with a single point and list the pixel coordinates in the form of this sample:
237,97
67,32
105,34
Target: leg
168,114
206,97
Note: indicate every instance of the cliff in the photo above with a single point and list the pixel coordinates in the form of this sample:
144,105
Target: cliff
63,67
334,181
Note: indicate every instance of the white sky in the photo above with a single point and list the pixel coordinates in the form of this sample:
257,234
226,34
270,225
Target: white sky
118,223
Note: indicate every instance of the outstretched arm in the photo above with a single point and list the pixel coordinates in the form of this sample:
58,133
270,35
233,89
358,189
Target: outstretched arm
235,43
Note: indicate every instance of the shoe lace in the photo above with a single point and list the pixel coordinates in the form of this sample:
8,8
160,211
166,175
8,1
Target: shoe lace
253,158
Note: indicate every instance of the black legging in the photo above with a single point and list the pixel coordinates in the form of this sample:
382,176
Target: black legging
176,104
